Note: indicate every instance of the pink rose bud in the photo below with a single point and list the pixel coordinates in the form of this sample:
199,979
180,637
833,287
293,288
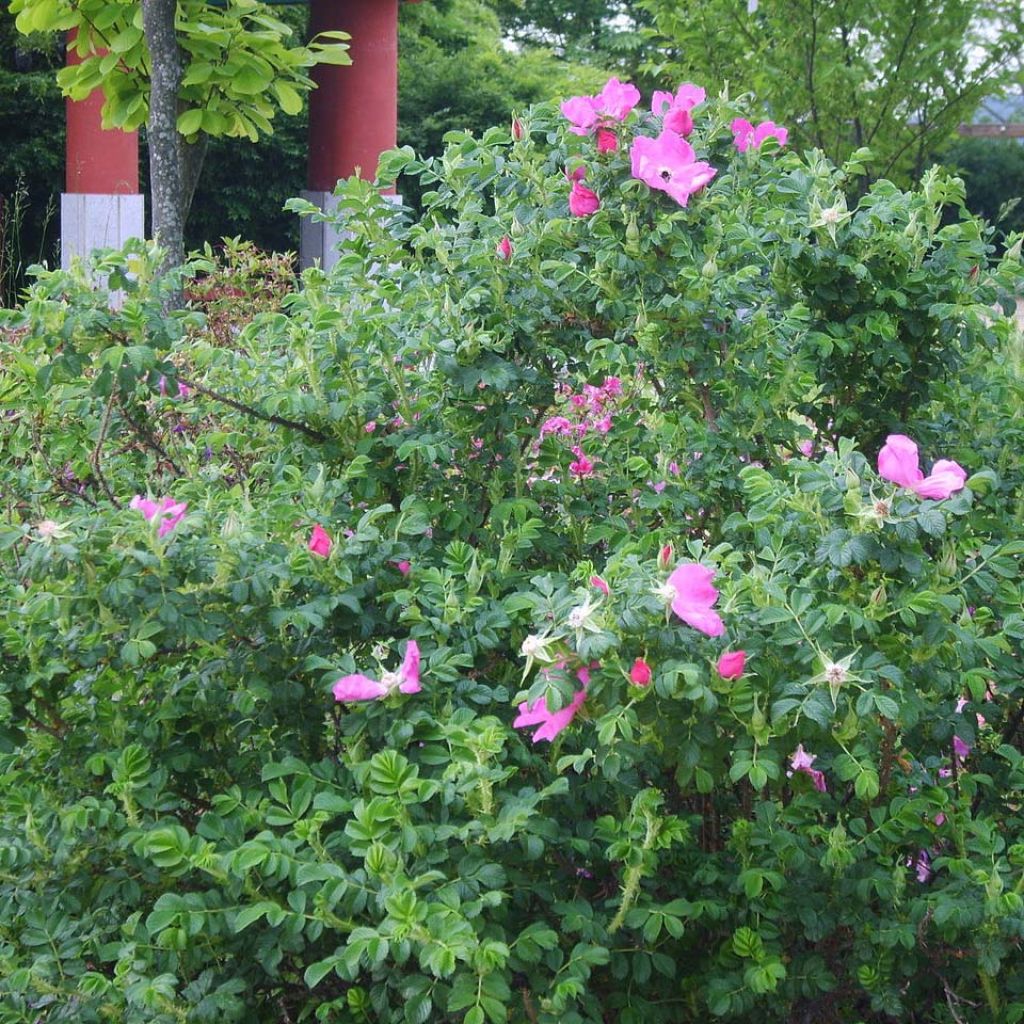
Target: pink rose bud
404,567
640,673
599,584
665,557
320,542
504,248
730,664
518,132
370,427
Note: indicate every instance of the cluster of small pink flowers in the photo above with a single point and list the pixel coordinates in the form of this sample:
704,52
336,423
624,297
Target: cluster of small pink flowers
668,162
588,411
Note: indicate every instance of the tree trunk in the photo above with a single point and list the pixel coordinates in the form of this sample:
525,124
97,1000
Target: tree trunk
166,145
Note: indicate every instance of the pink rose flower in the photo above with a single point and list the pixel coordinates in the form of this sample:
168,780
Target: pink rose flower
801,761
746,136
675,110
504,248
731,664
582,200
406,680
551,722
167,511
669,164
404,567
599,584
898,462
640,673
320,542
694,597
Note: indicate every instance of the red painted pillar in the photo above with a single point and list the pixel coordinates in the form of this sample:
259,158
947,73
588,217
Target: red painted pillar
101,207
353,112
98,161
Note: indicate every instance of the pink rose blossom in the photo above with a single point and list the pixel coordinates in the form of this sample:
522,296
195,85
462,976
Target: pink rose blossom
676,109
405,680
370,427
731,664
746,136
504,248
612,387
922,864
612,104
552,722
673,468
668,163
582,466
404,567
898,462
640,673
167,511
582,200
694,597
320,542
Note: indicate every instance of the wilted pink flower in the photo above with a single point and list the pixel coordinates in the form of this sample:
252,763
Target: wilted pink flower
676,109
551,722
898,462
668,163
801,761
640,673
746,136
599,584
612,387
673,468
960,748
658,487
922,865
405,680
404,567
694,597
320,542
504,248
731,664
806,447
167,511
370,426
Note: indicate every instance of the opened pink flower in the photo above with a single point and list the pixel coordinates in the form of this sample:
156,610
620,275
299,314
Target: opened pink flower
675,110
731,664
405,680
611,105
552,722
168,511
694,596
320,542
746,136
669,164
898,462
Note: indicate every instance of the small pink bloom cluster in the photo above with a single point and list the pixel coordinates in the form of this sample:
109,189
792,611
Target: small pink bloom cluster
667,163
586,411
167,512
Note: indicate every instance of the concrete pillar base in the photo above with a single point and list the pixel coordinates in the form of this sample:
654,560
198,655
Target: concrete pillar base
91,221
320,242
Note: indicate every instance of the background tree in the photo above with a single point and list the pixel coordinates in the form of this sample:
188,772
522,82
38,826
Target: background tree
895,77
186,69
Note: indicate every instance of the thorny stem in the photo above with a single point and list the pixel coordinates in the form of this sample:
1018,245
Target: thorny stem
632,887
250,411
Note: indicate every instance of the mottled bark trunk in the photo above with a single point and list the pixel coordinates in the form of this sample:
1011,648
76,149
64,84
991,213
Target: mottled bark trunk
166,145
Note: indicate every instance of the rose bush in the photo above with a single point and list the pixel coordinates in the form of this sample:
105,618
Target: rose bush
542,617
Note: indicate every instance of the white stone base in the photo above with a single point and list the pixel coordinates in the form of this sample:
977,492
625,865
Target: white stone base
319,241
89,221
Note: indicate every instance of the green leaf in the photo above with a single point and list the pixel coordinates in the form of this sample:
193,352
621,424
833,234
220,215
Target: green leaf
190,121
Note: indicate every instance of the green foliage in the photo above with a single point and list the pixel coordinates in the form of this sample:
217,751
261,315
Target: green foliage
238,69
993,172
191,828
895,77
